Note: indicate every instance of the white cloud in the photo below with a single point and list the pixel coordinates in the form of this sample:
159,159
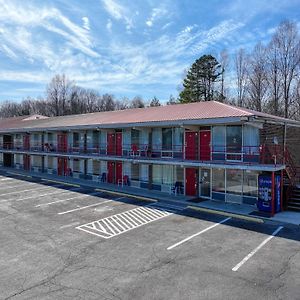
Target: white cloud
118,12
28,18
109,25
86,23
156,13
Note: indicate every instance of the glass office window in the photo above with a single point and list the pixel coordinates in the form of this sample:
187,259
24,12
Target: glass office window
234,181
218,180
250,183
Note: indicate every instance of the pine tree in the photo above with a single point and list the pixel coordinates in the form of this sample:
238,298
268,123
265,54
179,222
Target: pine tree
199,82
155,102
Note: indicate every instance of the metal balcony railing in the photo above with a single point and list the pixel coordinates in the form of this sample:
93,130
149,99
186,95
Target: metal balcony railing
264,154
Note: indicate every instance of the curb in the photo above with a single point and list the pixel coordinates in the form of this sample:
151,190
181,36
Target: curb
227,214
61,182
126,194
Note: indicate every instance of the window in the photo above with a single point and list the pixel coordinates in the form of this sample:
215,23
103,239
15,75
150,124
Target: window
178,139
218,180
135,137
50,162
135,172
157,174
179,174
50,138
76,165
36,161
167,139
18,158
250,182
218,139
75,139
95,139
234,139
96,167
167,177
234,181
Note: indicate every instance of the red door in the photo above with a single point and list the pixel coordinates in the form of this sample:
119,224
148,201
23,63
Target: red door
111,143
26,162
62,166
110,172
119,143
190,182
190,145
205,145
119,174
60,163
62,142
26,142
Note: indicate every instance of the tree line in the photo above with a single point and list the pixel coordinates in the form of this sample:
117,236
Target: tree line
64,97
266,79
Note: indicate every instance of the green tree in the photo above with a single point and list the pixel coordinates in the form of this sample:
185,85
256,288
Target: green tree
199,84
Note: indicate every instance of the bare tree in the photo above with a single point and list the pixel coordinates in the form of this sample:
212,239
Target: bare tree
257,85
241,75
154,102
224,61
137,102
275,83
286,40
58,94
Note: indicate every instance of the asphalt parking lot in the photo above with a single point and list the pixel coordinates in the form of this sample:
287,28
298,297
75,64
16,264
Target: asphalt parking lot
67,242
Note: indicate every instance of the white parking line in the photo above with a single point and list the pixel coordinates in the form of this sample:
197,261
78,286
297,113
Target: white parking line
18,185
123,222
48,194
198,233
29,190
39,195
256,249
68,199
87,206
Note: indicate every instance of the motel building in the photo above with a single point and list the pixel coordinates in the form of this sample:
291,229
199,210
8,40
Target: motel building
205,150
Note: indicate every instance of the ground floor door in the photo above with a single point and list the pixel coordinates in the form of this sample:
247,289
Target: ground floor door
191,145
190,182
8,160
111,172
62,166
205,145
205,182
119,173
26,162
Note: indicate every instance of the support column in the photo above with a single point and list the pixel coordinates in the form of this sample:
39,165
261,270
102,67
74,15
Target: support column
273,194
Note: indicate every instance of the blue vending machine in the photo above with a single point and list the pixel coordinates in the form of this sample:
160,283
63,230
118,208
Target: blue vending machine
264,202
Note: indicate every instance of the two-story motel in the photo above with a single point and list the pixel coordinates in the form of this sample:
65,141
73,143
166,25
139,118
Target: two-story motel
208,149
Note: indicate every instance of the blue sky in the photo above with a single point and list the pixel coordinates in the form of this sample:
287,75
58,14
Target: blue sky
124,47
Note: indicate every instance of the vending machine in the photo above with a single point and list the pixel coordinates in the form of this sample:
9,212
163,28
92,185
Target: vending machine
264,202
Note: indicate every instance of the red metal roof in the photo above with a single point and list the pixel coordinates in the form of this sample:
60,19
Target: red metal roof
171,113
